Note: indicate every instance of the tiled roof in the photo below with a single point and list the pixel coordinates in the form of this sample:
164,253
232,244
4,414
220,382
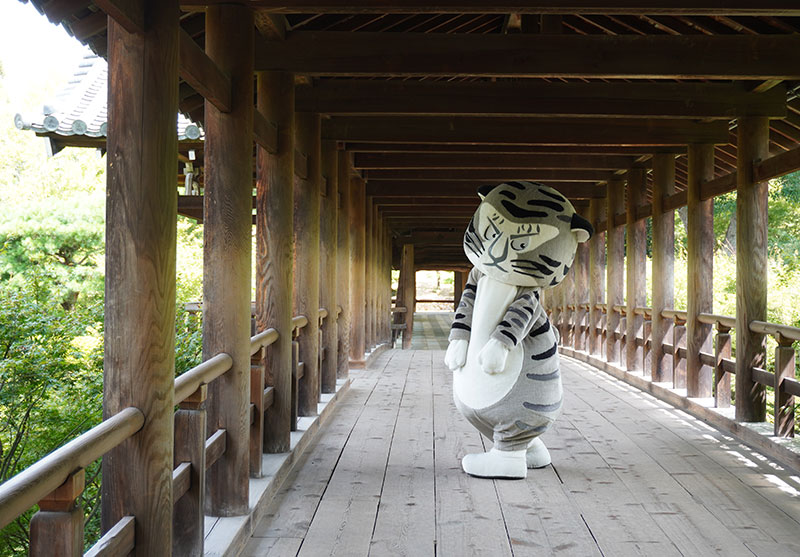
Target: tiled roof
80,107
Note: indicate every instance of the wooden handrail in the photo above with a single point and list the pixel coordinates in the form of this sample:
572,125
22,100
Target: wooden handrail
262,339
673,313
323,313
399,309
647,312
31,485
766,328
714,319
298,322
190,381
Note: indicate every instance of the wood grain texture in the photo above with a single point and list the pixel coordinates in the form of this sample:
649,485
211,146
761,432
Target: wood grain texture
581,271
343,263
700,264
226,254
408,273
663,265
57,533
190,447
199,71
635,246
357,269
328,258
306,258
139,332
275,251
614,266
369,271
783,401
597,277
751,266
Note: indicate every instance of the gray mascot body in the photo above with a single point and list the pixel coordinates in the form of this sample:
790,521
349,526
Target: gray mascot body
503,351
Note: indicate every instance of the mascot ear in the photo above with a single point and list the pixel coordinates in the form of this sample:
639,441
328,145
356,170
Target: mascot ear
581,227
483,191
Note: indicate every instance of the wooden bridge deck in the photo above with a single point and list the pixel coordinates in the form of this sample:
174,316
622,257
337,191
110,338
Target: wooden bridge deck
630,476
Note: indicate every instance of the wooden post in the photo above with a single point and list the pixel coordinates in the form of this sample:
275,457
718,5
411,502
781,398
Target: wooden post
678,362
722,350
635,295
597,276
368,271
581,272
190,447
663,265
141,208
751,267
57,528
458,288
614,238
386,290
343,264
328,258
275,252
357,272
784,402
700,263
306,259
226,259
409,281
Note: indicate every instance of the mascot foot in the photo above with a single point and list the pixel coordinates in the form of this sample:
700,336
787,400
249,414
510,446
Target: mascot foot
537,455
509,465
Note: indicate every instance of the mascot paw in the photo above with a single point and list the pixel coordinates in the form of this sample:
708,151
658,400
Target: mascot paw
537,455
456,355
492,358
508,465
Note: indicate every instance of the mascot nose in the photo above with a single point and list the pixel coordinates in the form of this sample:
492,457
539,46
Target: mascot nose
499,240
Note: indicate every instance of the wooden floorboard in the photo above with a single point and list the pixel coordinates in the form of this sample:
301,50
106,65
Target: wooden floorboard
631,476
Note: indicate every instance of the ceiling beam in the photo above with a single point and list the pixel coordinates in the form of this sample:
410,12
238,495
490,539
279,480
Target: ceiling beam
205,77
664,100
491,174
401,188
470,200
130,14
641,7
374,161
357,147
527,131
333,53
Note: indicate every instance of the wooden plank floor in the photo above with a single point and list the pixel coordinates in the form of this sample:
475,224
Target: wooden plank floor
630,476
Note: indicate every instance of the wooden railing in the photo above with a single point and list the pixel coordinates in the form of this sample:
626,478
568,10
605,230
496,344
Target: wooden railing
56,481
570,322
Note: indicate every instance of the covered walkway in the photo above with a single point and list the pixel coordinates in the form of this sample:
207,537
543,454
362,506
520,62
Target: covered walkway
631,475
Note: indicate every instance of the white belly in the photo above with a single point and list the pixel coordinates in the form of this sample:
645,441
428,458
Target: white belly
472,386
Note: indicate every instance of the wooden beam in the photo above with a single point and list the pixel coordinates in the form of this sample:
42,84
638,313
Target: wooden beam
422,238
227,238
139,359
778,165
527,131
372,161
332,53
493,175
265,132
401,188
357,147
599,7
129,14
528,98
392,201
205,77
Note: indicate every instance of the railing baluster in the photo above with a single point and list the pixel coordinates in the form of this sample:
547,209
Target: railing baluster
257,399
678,358
190,446
784,402
722,379
57,529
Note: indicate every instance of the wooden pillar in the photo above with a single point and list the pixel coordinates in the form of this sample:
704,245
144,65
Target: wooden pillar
275,252
343,264
635,295
751,266
458,288
597,276
614,266
700,263
663,265
141,205
580,270
306,259
56,530
408,279
227,219
357,271
328,259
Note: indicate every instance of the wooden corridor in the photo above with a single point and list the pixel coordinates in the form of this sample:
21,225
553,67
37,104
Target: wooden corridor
631,476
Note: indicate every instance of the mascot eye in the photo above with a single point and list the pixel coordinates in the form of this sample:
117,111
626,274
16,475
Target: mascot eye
519,244
491,233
